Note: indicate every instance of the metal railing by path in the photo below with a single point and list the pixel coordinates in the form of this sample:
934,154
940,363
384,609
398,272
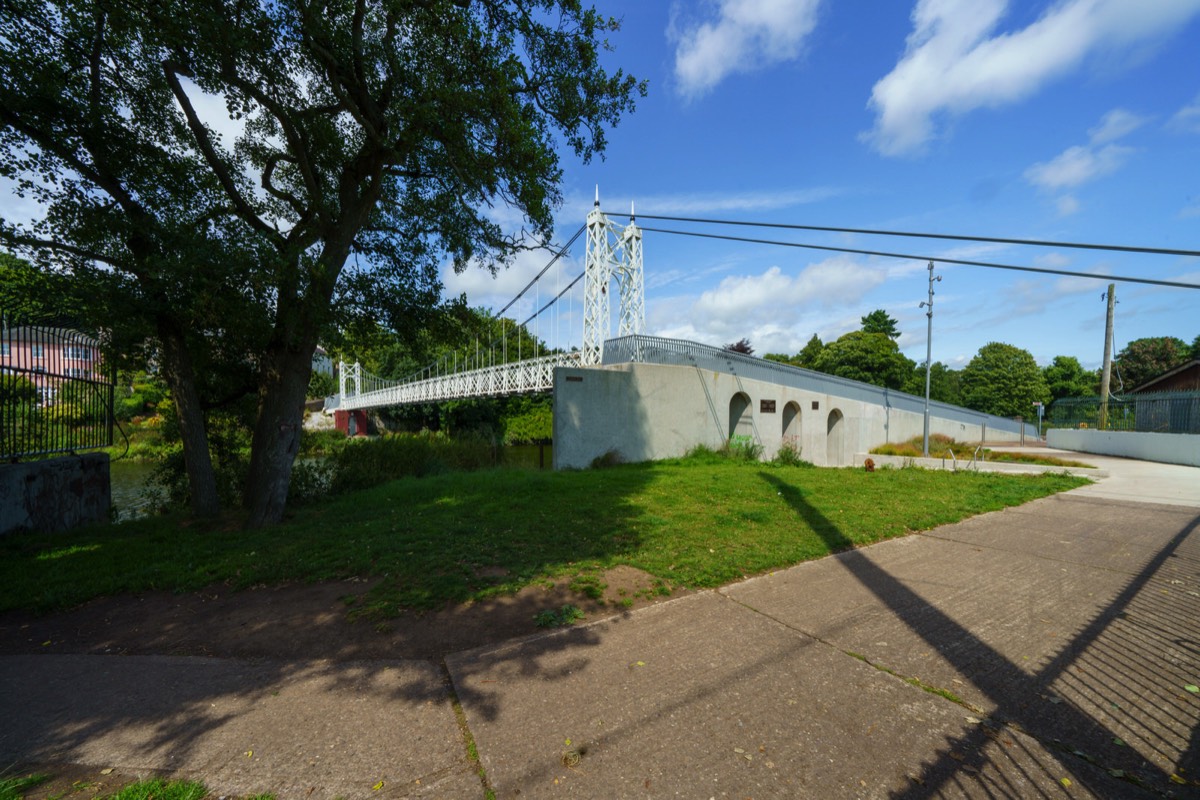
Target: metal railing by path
1150,412
360,389
56,395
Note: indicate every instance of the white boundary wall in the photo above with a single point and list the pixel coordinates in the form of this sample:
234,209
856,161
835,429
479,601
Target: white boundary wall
1165,448
645,412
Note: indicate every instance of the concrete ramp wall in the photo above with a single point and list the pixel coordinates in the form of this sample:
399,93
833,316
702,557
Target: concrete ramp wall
643,412
1165,448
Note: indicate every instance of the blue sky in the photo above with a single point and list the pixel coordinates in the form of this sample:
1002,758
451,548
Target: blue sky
1070,121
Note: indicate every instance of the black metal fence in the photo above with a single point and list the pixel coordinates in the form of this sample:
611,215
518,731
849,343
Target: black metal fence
1157,412
56,394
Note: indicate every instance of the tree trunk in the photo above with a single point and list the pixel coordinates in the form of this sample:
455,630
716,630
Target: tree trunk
277,432
202,482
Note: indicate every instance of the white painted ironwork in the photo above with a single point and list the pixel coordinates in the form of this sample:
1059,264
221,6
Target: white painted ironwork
612,252
518,377
629,277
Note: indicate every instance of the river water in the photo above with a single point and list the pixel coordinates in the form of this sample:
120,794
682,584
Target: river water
131,493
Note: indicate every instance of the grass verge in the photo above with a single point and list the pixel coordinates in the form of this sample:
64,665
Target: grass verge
940,446
14,787
453,537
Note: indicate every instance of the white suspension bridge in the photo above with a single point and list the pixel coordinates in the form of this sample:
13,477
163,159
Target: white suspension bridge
614,256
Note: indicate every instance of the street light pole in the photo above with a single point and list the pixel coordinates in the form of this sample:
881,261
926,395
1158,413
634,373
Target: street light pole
928,355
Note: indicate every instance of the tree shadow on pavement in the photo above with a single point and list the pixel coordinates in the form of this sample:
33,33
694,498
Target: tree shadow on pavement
1111,700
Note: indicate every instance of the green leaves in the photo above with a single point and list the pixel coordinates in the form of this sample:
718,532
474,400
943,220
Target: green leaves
868,357
1003,380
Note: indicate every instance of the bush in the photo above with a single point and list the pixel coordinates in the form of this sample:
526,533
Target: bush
311,481
742,448
370,462
321,385
789,456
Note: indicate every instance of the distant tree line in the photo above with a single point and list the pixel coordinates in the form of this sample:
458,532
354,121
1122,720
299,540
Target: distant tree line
1001,379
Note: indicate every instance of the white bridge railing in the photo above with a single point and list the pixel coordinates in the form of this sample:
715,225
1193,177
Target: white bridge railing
360,389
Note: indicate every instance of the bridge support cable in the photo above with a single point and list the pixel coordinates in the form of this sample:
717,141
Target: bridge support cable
476,374
1117,248
926,258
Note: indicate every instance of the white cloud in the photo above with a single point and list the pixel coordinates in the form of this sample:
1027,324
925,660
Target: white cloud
956,61
576,207
1189,212
1067,205
1187,119
1116,124
1077,165
776,311
1053,260
746,35
833,282
1080,164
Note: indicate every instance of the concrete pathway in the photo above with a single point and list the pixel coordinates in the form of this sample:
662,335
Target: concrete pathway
1135,481
1042,651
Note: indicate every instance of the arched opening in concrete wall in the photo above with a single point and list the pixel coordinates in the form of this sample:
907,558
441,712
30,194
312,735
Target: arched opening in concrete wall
791,425
741,425
833,439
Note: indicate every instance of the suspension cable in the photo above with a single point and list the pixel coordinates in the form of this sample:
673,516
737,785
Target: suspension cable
909,256
910,234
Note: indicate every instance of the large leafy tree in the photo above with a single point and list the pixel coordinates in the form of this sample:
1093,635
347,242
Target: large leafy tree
868,357
1143,359
878,321
944,385
1004,380
1066,377
376,136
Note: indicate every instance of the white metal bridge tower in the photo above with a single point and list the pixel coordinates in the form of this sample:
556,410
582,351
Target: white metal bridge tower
611,252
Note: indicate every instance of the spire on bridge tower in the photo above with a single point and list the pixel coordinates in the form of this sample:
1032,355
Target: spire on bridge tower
611,252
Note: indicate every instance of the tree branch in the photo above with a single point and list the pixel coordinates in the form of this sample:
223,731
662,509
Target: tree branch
276,192
172,71
48,244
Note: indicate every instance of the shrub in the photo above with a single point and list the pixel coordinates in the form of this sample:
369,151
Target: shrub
610,458
742,448
789,456
370,462
311,480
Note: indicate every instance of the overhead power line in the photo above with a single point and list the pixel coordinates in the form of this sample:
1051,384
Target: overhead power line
1120,248
914,257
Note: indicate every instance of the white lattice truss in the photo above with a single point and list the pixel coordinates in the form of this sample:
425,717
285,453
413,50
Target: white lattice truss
361,389
612,253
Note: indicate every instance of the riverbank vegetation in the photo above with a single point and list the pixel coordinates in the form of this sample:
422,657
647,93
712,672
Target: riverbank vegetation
458,536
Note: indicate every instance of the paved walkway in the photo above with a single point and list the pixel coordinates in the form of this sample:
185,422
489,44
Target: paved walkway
1041,651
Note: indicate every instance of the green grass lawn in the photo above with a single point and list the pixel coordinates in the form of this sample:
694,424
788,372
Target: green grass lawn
696,522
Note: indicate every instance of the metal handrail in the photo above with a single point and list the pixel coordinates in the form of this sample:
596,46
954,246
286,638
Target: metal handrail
515,377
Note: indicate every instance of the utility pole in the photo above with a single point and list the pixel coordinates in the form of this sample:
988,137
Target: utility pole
928,355
1106,375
